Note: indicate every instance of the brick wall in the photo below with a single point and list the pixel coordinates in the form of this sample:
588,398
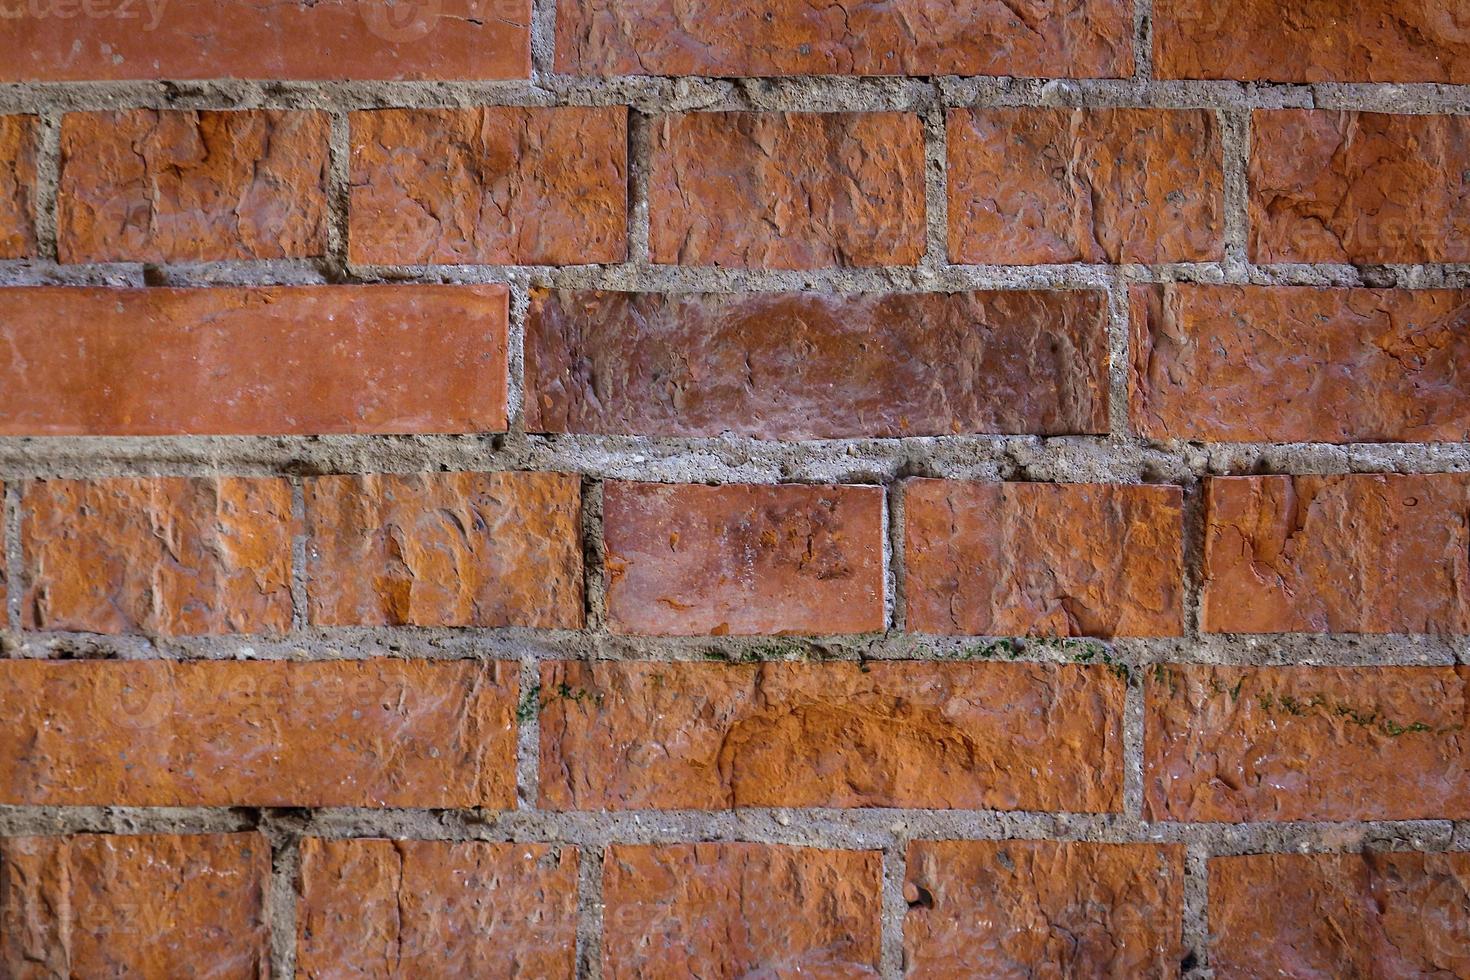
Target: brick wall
616,488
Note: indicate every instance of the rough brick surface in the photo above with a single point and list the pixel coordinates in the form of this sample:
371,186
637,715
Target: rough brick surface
787,190
625,736
493,185
173,556
411,908
687,560
147,906
455,549
812,366
293,39
252,361
1083,38
1284,363
1005,908
407,733
1033,185
1312,40
1042,558
18,137
184,186
1340,915
1361,187
738,910
1306,743
1362,553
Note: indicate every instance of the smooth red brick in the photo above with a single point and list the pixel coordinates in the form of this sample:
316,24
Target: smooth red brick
1312,40
490,185
1360,187
114,40
170,555
404,733
814,366
413,908
1030,185
148,185
690,560
740,910
1362,553
445,549
1080,38
1000,908
1340,915
18,138
97,905
787,190
619,735
272,360
1299,364
1043,558
1306,743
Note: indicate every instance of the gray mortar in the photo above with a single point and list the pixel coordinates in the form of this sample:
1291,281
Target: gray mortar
1118,457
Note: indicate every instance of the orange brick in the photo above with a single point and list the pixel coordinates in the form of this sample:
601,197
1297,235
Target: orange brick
18,138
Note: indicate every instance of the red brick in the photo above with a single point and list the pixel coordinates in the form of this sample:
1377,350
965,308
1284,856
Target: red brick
1360,187
184,186
1362,553
171,556
737,910
1299,364
1084,38
1084,185
491,185
1306,743
815,366
620,735
691,560
405,733
98,905
1340,915
1043,558
999,908
293,39
445,549
410,908
18,138
252,361
1312,40
787,190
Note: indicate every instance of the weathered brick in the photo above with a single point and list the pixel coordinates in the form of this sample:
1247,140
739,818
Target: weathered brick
787,190
1043,558
736,910
669,736
411,908
252,361
1340,915
1029,185
490,185
18,138
1360,187
407,733
97,905
1000,908
813,366
294,39
445,549
689,560
1080,38
170,555
1361,553
1299,364
1306,743
148,185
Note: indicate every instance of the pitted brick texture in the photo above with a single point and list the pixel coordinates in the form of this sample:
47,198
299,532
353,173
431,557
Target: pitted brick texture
18,139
